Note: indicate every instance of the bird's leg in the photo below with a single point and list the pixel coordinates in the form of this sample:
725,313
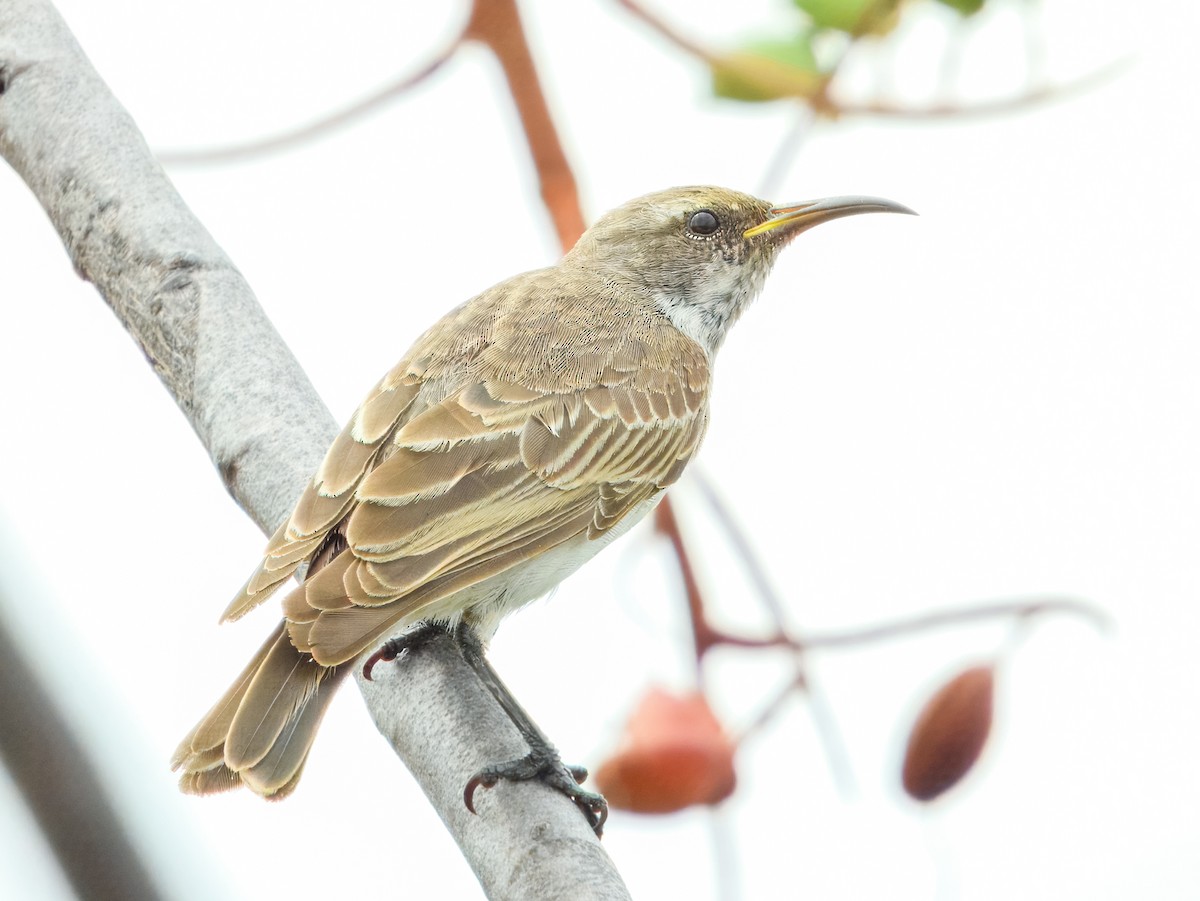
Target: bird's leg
401,645
542,762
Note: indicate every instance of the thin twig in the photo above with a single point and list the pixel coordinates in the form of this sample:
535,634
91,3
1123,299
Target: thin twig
978,109
836,755
323,125
1022,608
955,616
703,635
723,836
665,30
789,147
772,708
743,548
825,105
819,709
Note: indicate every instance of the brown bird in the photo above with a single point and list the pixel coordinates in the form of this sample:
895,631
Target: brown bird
521,434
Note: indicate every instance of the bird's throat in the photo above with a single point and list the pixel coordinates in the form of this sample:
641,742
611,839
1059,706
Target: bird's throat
707,311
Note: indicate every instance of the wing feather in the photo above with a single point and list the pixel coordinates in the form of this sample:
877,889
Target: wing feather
385,407
327,498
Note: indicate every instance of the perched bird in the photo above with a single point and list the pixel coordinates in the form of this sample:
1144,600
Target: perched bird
522,433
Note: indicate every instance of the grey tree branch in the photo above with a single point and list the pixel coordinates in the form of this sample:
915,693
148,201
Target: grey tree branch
128,232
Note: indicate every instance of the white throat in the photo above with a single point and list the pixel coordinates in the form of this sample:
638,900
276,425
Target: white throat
714,305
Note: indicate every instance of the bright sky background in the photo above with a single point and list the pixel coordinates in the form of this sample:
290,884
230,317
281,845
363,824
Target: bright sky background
997,398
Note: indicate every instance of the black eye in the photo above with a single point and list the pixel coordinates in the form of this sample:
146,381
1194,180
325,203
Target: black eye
703,222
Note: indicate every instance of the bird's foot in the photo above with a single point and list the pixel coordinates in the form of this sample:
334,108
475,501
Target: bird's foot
396,648
544,765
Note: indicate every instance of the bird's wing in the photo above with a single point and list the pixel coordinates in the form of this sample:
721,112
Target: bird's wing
493,442
489,478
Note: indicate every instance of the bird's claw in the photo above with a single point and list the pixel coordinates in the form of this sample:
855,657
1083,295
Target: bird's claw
389,651
549,769
396,648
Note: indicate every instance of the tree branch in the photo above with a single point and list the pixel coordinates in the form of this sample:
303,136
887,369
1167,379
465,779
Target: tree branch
128,232
63,787
497,25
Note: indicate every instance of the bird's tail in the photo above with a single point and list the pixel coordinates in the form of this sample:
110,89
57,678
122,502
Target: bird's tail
259,734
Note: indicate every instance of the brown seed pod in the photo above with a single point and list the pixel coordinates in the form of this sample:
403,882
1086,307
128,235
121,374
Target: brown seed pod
673,754
949,733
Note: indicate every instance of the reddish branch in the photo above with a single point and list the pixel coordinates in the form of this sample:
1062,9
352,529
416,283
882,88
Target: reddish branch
497,24
703,635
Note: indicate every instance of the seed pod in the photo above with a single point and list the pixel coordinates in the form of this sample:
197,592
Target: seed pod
673,754
949,733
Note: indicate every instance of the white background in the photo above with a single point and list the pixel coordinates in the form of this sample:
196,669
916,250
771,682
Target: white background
996,398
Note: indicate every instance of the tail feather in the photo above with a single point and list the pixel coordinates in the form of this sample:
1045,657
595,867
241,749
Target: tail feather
277,772
208,782
210,732
285,681
260,732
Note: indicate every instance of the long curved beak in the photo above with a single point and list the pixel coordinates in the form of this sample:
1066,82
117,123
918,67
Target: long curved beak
794,218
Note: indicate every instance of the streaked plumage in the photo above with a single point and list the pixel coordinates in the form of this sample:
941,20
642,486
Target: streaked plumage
518,436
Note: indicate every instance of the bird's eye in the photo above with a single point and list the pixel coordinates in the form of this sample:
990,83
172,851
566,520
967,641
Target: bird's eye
703,222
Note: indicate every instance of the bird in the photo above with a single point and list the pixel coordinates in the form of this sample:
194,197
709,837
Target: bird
521,434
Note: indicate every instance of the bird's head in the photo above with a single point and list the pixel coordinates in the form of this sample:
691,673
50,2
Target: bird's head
703,253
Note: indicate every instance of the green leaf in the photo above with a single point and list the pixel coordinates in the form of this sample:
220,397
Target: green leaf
966,7
857,17
768,70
